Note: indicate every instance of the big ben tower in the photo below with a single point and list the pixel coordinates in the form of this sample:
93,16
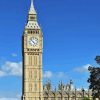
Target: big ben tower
32,58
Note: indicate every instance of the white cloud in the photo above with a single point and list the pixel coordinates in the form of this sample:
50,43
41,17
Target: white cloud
9,99
11,68
82,69
15,69
50,74
61,75
14,54
2,73
47,74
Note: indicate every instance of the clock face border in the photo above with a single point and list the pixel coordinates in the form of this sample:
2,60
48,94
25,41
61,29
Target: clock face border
30,45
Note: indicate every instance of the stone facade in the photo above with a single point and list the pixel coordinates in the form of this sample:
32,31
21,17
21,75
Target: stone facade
33,89
32,58
65,92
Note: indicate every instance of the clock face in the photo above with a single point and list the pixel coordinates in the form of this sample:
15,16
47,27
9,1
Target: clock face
33,41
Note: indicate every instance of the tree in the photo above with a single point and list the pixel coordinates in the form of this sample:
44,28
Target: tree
94,79
97,59
86,98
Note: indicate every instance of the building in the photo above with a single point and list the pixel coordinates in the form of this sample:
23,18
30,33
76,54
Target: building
33,89
32,58
65,92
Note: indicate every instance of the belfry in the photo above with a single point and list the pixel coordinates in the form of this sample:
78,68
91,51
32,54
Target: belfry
32,58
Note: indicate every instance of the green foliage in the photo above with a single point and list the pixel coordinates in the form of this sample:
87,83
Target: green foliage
97,59
86,98
94,79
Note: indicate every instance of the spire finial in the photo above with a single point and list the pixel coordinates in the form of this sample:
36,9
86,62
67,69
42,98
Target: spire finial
32,10
32,4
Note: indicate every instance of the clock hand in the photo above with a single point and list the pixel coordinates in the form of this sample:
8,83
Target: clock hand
33,40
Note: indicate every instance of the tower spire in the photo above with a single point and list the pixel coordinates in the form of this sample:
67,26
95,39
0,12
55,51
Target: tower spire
32,4
32,18
32,9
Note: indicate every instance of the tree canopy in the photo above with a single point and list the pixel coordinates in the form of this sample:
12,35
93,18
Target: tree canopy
94,79
86,98
97,59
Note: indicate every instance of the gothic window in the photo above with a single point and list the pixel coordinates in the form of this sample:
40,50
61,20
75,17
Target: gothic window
29,32
30,60
35,60
27,49
30,87
35,74
35,87
30,74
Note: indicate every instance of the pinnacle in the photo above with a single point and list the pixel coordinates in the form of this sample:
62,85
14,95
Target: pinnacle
32,9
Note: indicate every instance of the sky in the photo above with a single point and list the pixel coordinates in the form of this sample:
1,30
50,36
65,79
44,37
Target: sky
71,33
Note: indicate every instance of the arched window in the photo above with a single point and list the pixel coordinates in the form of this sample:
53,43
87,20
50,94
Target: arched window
35,87
30,73
30,87
30,60
35,74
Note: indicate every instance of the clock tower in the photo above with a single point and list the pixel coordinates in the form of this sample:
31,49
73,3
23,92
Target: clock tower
32,58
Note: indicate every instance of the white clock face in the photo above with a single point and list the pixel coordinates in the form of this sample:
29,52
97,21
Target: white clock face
33,41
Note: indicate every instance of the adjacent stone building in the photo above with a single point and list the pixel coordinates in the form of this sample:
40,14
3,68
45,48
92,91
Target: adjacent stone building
65,92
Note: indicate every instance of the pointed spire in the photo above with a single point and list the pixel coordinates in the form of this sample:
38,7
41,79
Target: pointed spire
32,9
32,4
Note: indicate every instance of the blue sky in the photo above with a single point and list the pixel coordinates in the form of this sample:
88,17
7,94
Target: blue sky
71,32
